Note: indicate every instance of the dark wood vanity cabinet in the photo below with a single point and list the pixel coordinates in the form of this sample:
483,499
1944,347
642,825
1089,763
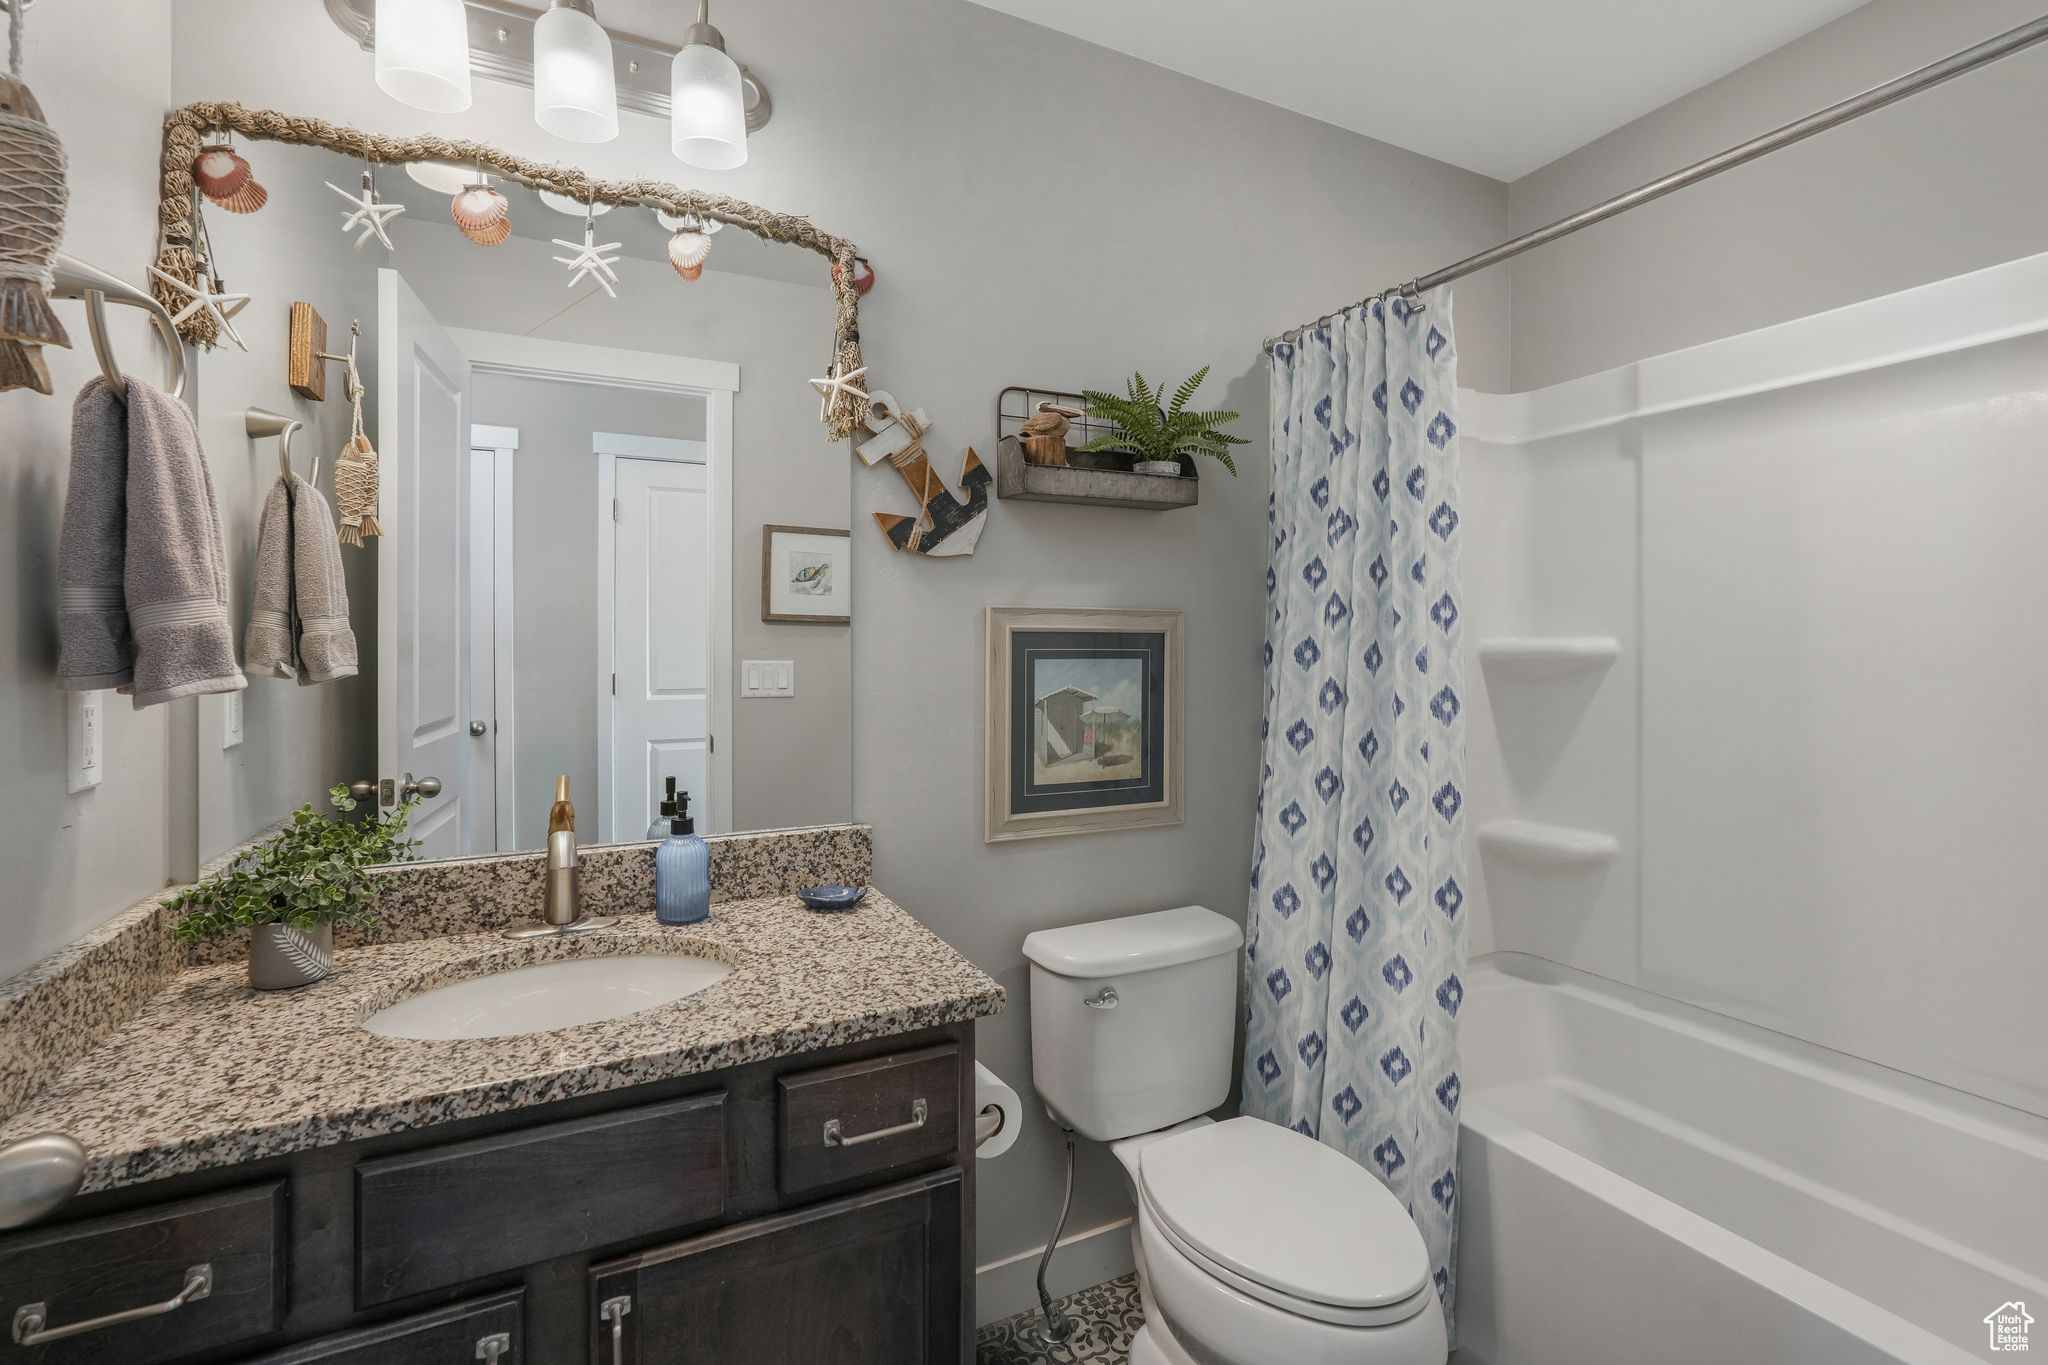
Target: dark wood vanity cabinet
815,1208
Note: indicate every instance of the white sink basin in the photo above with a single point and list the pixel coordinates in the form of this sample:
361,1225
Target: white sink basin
549,995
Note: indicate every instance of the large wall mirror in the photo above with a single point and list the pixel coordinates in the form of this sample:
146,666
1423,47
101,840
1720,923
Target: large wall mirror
577,475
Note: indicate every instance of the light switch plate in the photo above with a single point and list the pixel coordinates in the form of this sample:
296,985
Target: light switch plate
230,719
85,742
767,678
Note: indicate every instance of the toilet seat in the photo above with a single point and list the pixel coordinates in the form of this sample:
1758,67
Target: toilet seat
1288,1221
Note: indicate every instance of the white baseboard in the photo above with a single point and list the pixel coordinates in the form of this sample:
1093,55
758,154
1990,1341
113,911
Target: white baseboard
1083,1259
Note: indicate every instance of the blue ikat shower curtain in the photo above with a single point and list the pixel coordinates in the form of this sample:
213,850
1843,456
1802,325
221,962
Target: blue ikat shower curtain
1356,920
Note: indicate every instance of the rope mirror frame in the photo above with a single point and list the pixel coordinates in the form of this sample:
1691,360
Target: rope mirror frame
185,129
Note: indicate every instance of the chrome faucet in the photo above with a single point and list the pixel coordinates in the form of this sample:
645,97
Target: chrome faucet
562,896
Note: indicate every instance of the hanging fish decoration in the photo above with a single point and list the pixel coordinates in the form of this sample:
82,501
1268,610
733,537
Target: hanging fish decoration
224,176
355,470
31,226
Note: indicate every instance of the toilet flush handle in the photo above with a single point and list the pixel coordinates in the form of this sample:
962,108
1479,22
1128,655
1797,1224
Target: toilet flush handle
1104,999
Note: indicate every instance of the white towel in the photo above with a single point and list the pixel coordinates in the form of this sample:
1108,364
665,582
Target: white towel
298,606
142,587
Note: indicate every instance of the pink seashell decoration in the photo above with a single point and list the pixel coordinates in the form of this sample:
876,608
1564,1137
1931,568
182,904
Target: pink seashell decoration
690,272
478,208
491,234
219,171
688,249
863,275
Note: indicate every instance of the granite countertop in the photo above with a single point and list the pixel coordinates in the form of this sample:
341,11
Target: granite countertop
211,1073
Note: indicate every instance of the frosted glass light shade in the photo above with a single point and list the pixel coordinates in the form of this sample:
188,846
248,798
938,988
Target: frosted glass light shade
708,119
443,177
423,54
574,93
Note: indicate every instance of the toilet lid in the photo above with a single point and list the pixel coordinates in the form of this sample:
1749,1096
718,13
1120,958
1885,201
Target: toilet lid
1284,1211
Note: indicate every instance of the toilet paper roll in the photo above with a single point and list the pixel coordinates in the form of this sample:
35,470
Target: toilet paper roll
995,1105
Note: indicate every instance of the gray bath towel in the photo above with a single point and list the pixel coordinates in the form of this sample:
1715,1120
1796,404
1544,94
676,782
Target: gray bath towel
141,571
298,615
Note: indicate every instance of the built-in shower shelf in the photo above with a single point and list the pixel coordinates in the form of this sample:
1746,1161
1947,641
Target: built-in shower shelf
1531,842
1548,656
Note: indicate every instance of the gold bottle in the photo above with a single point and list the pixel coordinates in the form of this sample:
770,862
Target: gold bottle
562,815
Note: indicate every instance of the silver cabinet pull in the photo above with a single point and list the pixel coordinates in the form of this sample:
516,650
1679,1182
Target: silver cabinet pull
919,1112
30,1320
1104,999
489,1348
614,1312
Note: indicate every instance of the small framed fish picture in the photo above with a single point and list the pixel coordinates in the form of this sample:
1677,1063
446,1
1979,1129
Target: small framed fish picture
806,575
1085,716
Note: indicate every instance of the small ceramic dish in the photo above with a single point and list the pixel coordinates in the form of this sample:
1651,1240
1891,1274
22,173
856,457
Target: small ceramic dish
832,896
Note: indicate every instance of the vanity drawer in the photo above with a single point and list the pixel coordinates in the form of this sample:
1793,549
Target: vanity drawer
430,1220
232,1244
490,1330
841,1123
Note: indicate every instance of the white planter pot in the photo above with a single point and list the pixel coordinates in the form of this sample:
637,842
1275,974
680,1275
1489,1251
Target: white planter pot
1158,469
281,958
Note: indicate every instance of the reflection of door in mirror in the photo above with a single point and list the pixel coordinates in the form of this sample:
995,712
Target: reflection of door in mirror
422,654
510,409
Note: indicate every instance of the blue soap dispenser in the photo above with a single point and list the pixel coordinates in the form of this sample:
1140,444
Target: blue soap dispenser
682,872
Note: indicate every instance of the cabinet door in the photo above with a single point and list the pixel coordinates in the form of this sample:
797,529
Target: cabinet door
873,1279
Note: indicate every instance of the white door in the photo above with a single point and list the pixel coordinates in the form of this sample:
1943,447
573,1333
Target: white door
661,648
422,629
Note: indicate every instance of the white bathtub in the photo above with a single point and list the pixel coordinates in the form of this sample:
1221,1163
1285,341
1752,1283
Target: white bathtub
1649,1184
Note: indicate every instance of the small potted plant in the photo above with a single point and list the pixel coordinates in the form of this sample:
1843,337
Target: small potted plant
291,889
1156,437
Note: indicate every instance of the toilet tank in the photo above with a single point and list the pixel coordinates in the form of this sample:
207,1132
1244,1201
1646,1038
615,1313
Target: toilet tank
1132,1019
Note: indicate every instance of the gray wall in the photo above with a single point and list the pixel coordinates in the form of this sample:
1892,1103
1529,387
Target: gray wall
1039,211
71,861
1946,182
554,567
297,741
793,758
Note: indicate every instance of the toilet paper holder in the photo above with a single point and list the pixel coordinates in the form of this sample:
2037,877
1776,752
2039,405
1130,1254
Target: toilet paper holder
988,1123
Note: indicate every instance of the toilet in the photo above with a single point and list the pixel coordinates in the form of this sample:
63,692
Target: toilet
1254,1243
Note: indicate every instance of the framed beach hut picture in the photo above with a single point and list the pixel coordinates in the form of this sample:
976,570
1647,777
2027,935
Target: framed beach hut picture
1085,709
806,575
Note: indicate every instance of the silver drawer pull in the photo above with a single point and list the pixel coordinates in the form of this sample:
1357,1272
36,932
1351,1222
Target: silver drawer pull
919,1112
30,1319
1104,999
614,1312
489,1348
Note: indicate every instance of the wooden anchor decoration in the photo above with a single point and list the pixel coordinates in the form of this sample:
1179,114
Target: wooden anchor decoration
944,524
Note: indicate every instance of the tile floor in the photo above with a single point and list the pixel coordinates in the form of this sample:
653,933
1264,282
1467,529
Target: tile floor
1110,1315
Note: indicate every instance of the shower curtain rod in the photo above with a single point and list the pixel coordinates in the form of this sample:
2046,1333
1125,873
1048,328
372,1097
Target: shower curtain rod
1877,97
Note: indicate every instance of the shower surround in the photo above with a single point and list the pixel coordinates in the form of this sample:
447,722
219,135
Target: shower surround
1755,730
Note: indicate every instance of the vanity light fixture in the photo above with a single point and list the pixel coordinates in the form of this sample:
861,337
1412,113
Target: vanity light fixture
707,109
442,177
575,95
423,53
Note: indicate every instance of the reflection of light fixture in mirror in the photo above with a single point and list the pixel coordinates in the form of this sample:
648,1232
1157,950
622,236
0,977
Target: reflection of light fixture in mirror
423,53
575,95
575,208
442,177
707,113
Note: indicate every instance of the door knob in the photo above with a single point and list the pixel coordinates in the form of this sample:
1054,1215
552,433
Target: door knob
429,787
479,729
363,789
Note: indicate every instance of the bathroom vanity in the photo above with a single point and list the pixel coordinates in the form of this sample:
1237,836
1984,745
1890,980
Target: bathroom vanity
775,1169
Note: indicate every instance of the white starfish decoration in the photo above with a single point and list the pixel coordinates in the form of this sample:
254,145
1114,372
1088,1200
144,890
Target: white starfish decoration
835,384
369,213
589,259
218,306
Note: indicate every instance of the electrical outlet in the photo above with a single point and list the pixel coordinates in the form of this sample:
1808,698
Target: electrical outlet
767,678
230,719
84,741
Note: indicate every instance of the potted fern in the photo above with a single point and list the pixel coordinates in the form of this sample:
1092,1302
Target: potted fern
1155,437
291,889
